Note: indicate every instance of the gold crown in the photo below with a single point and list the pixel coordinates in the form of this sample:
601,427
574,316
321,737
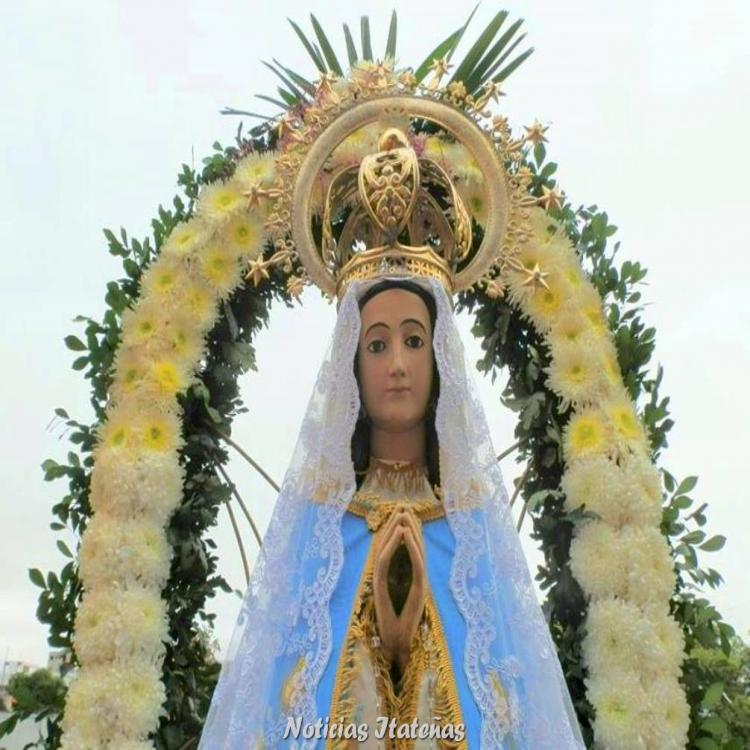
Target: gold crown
391,217
392,209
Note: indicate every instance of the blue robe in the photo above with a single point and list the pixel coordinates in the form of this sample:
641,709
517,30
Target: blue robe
439,547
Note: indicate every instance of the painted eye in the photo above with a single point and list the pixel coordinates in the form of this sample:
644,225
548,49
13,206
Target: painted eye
416,341
376,346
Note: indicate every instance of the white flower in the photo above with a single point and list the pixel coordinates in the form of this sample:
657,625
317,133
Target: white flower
666,715
119,625
650,568
614,491
149,485
619,699
115,702
599,560
116,551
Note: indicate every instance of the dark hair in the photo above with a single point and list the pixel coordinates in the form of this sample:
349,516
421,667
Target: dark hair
361,436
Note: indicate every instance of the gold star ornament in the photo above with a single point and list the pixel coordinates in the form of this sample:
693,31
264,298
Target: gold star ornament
535,133
257,271
551,198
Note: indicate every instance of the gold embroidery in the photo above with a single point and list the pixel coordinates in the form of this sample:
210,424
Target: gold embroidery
377,512
287,689
428,660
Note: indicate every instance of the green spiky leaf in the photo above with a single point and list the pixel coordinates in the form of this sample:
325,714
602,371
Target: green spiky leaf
446,48
351,50
495,56
328,53
311,50
473,56
364,31
505,72
390,46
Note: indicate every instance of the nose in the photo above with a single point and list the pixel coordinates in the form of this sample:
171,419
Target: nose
396,365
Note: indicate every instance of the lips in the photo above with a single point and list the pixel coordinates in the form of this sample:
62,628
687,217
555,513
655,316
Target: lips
398,390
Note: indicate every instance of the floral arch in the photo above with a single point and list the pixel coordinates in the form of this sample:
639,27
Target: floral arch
164,364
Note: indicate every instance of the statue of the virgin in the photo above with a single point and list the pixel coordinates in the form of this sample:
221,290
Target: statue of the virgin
391,605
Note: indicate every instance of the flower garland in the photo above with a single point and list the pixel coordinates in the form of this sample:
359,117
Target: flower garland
633,648
137,480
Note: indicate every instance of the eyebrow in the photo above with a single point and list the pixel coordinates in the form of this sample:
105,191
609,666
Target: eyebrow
403,323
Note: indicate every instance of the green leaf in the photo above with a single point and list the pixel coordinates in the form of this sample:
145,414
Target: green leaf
714,543
301,81
495,56
686,485
714,725
694,537
325,45
364,32
293,90
271,100
289,100
713,695
37,578
706,743
351,50
319,64
390,45
64,548
682,502
500,60
75,344
505,72
469,63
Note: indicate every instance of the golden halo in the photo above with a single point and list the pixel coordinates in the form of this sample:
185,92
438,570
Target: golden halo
452,121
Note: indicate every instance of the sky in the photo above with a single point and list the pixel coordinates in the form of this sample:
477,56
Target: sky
646,104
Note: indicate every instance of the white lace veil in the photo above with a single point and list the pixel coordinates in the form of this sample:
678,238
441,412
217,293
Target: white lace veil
501,617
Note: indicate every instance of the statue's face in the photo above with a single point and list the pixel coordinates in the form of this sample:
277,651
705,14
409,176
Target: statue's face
395,359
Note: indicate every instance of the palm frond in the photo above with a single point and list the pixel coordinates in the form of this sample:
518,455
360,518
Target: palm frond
292,89
364,30
470,61
390,45
446,48
486,55
328,53
315,54
291,101
271,100
483,62
307,86
351,50
491,61
244,113
500,60
506,71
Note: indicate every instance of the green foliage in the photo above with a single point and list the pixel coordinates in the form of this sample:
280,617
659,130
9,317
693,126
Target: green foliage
724,712
39,695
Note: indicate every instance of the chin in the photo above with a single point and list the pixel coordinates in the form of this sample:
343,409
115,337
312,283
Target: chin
400,421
